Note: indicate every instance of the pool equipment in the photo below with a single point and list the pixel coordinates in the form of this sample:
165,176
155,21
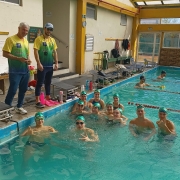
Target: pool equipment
152,106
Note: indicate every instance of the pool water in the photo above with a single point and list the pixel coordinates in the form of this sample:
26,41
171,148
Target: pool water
118,155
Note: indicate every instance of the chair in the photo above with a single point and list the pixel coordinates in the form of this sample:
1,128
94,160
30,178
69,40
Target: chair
99,75
133,66
149,63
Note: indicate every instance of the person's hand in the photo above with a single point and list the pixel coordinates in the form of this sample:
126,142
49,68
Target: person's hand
40,67
31,132
23,60
85,138
56,66
161,123
29,62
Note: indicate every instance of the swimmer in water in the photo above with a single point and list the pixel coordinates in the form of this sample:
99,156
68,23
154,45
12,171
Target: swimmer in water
162,75
142,125
165,126
87,105
118,117
82,132
80,108
116,103
97,99
37,135
143,85
109,110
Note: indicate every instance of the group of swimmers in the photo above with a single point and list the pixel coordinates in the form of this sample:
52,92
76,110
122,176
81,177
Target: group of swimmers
111,113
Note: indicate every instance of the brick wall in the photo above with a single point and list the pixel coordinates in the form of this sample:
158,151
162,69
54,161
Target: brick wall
169,57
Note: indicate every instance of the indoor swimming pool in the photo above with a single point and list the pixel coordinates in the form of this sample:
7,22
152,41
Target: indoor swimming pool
118,155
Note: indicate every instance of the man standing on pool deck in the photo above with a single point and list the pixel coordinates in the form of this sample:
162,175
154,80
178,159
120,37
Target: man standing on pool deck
16,49
142,125
165,127
45,53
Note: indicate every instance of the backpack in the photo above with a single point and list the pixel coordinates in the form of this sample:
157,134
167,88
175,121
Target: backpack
115,53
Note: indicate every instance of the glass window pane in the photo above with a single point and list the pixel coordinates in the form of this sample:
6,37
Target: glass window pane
157,49
170,21
147,38
13,1
158,37
153,2
171,39
145,48
150,21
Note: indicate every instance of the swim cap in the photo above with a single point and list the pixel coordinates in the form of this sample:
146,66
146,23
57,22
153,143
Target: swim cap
163,109
80,117
97,91
140,107
109,104
83,93
97,105
39,115
120,110
81,102
116,95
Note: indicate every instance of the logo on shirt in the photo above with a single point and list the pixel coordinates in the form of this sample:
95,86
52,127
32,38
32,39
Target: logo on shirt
18,45
44,44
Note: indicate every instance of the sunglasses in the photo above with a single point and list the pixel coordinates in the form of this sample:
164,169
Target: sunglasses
77,123
50,29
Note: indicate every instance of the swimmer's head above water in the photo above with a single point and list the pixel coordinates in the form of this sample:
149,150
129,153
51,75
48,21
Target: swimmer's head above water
39,116
97,105
97,91
142,78
83,93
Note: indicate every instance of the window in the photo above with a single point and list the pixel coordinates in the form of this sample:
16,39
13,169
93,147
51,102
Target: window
150,21
170,21
91,11
123,20
12,1
160,21
171,40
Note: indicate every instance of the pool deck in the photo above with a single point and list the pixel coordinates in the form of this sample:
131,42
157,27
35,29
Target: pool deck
29,104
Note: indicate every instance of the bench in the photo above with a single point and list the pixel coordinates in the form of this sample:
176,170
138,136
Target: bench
121,59
2,82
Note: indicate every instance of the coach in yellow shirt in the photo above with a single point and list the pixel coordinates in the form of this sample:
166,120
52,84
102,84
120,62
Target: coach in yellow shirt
45,54
16,49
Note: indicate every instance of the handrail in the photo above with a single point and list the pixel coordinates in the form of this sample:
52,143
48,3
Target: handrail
59,40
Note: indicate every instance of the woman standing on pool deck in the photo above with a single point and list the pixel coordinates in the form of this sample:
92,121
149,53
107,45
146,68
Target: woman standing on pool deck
165,127
97,99
116,103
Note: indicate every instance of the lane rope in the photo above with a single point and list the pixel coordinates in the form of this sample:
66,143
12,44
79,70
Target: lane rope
152,106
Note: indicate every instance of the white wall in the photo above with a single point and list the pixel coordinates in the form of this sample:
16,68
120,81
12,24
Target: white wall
107,25
59,15
72,40
11,15
127,2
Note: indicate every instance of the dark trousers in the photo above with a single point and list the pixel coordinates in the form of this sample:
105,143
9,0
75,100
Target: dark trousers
15,81
44,77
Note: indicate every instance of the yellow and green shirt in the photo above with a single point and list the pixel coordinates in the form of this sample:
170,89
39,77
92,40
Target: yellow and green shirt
45,47
20,48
